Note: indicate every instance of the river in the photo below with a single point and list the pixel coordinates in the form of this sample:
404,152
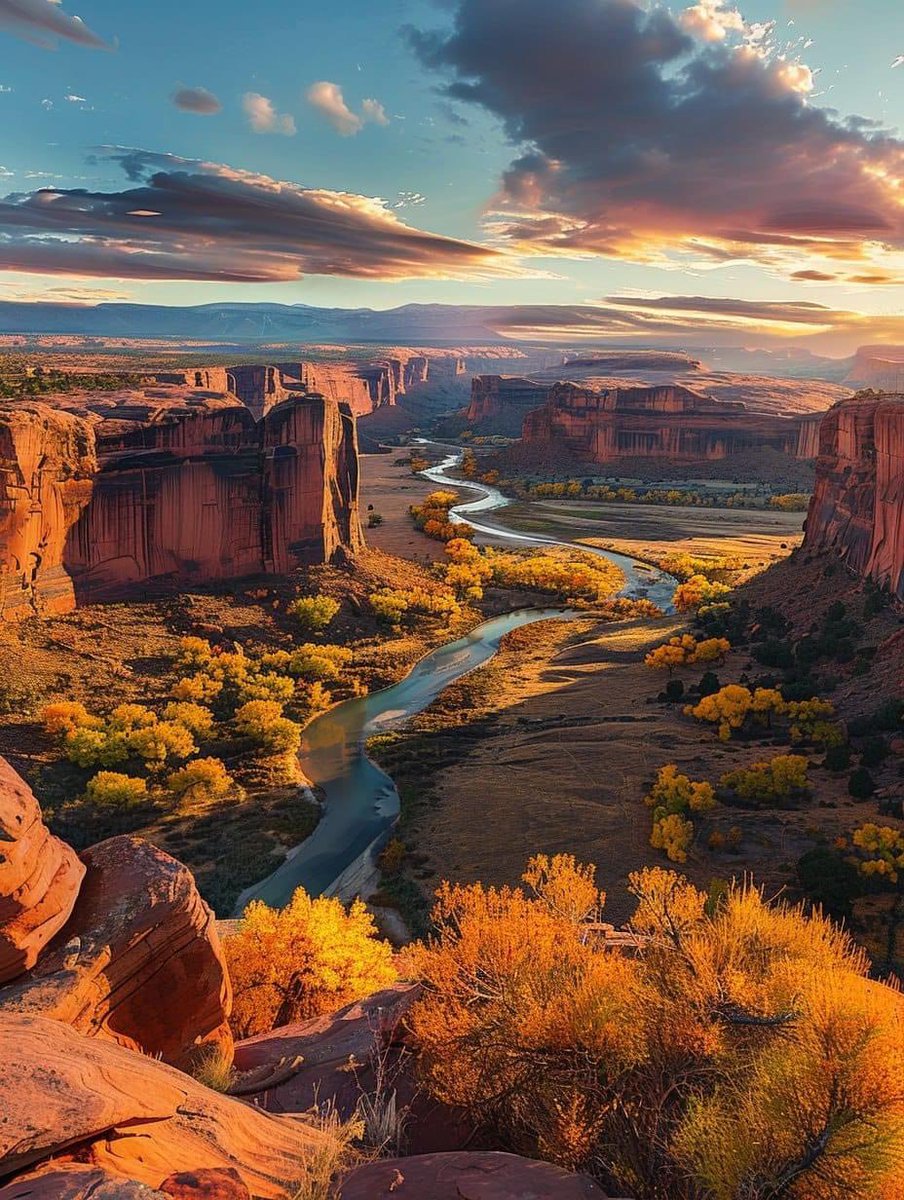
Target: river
361,803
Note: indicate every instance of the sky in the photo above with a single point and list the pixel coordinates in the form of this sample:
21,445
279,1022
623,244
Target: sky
682,159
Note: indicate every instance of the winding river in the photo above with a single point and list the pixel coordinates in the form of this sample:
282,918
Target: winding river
361,803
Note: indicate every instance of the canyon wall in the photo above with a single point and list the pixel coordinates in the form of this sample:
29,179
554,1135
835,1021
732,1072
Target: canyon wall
858,503
670,422
501,402
92,507
879,367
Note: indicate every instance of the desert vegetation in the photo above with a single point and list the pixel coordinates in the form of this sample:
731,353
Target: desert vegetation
740,1050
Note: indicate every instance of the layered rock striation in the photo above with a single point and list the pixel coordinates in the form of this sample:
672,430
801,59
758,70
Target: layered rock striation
138,961
672,423
40,877
154,488
857,508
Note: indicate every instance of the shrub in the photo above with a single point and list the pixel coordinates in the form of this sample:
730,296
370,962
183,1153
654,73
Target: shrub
158,743
838,758
196,688
91,747
676,793
781,779
201,780
673,834
861,784
674,690
67,716
880,850
109,789
874,751
264,723
309,958
734,706
744,1046
314,612
193,652
319,663
709,683
830,880
698,591
193,717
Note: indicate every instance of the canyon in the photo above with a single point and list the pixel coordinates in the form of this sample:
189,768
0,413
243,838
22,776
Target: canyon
669,422
857,508
122,992
102,493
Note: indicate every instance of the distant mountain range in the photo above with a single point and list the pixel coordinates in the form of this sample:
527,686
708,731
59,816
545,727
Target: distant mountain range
573,328
432,324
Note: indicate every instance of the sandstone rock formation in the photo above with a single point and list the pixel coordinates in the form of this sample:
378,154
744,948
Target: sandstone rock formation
47,463
858,503
39,878
133,1117
878,367
670,422
467,1176
126,490
139,960
71,1181
500,403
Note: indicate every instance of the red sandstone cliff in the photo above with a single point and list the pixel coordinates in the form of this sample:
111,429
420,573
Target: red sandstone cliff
879,367
858,503
670,422
92,506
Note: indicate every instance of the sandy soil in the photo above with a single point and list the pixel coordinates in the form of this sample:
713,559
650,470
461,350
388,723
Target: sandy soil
388,484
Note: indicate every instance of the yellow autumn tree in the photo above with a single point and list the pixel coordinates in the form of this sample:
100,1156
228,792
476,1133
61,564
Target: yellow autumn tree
744,1052
311,957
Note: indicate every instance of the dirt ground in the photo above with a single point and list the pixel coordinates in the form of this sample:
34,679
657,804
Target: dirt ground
388,484
647,530
556,747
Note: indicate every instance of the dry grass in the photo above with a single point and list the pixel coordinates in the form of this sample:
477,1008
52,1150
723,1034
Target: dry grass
214,1069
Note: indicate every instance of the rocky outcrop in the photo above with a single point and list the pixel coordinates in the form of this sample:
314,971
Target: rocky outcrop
857,508
467,1176
138,961
500,403
47,464
72,1181
40,878
133,1118
169,492
671,423
878,367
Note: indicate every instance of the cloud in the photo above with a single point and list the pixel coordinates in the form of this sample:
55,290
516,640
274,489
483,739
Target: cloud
72,98
711,21
698,322
328,100
185,219
196,100
650,136
263,117
44,22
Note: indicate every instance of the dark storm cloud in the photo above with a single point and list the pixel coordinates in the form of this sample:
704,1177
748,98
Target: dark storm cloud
44,21
639,131
197,100
191,220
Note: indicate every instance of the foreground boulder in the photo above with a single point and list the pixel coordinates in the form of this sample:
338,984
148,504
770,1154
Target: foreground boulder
467,1176
338,1056
70,1181
39,878
135,1118
139,960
